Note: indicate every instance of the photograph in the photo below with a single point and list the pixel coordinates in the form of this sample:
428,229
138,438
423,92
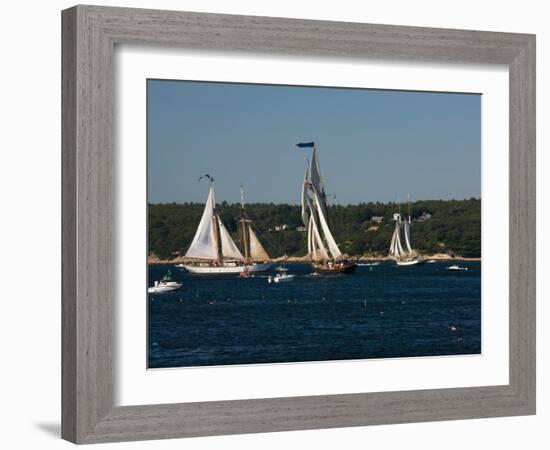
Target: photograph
295,224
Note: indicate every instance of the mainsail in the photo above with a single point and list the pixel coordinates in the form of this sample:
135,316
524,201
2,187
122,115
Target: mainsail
318,249
211,235
396,248
229,249
257,251
331,243
321,243
407,233
253,248
204,244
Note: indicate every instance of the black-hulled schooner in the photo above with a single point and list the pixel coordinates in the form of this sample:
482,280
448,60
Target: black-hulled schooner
323,250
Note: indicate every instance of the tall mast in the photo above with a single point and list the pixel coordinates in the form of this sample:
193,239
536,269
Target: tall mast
243,227
321,183
409,205
399,205
321,193
215,228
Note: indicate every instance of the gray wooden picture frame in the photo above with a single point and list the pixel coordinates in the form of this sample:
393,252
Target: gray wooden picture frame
90,34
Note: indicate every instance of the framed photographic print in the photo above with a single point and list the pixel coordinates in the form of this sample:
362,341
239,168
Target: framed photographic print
268,222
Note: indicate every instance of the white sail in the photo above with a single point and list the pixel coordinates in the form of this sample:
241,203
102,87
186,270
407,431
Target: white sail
309,237
204,245
332,246
314,172
392,245
307,217
316,180
305,200
319,250
396,248
407,233
229,249
312,183
257,251
314,214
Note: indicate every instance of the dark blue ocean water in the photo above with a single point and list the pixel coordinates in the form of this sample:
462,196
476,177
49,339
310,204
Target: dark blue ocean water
383,312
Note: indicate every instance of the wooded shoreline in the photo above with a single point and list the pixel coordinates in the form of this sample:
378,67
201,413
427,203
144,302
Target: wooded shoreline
441,229
436,257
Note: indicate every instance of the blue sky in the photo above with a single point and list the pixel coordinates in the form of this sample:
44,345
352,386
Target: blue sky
374,145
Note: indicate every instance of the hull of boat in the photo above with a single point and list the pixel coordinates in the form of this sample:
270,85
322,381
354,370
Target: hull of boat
163,289
226,270
414,262
282,279
457,268
344,269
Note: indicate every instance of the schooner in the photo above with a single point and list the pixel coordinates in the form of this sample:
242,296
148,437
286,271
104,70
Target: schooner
213,250
407,256
322,248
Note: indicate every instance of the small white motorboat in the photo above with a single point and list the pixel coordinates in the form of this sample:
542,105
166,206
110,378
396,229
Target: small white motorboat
369,264
280,278
164,285
456,267
281,269
431,261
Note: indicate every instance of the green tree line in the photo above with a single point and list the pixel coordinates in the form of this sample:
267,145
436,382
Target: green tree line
439,226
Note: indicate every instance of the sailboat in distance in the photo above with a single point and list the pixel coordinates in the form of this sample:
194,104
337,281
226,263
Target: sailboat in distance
322,248
403,256
213,250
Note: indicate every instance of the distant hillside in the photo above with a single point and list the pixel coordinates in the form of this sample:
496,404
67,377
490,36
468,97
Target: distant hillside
439,226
